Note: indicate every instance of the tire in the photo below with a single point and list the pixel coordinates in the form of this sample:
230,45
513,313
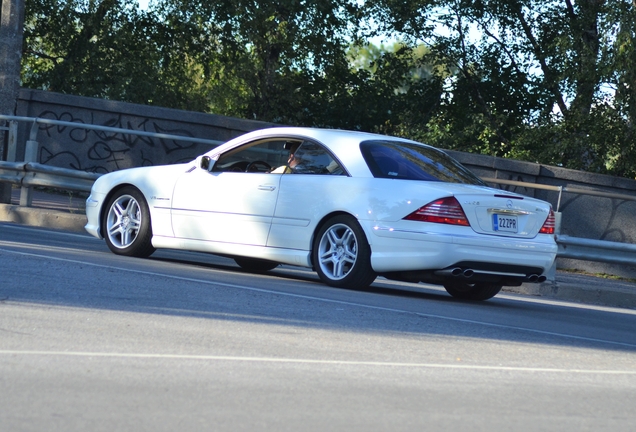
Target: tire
341,254
472,291
255,265
126,224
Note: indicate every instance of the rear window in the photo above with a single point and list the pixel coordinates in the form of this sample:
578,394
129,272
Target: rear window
406,161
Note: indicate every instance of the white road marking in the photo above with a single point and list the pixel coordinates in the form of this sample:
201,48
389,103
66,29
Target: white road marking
310,361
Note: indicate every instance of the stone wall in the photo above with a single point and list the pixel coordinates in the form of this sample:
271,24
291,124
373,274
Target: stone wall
582,215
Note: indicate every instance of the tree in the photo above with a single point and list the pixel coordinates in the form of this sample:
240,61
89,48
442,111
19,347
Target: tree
108,49
530,78
548,81
290,62
267,51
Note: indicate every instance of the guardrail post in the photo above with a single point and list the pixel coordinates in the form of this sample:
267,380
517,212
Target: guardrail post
30,155
12,142
10,149
5,188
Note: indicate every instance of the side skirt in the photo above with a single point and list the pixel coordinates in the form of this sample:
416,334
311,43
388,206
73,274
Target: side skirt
284,256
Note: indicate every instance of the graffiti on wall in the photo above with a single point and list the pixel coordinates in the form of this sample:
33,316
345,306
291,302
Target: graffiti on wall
101,151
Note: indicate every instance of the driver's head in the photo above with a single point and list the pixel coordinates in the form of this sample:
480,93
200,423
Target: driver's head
294,158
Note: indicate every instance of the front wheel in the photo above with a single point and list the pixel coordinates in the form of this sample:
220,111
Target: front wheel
472,291
342,255
126,224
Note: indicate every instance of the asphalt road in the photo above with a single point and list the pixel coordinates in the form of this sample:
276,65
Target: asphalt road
182,341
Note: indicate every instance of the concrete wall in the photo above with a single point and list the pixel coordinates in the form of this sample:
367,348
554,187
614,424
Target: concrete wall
583,215
102,152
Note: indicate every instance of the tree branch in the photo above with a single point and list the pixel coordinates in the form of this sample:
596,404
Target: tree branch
547,72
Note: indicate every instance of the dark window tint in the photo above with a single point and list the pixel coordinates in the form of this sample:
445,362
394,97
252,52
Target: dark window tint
280,157
312,158
400,160
258,156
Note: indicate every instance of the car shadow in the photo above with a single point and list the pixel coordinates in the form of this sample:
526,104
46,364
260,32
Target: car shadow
213,288
432,302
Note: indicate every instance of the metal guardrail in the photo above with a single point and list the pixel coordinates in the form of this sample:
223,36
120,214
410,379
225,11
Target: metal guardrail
596,250
34,174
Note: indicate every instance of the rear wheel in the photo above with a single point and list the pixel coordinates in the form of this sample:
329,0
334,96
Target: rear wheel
342,255
255,265
126,224
472,291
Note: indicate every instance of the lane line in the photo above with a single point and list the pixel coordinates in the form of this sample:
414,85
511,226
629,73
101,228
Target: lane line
310,361
342,302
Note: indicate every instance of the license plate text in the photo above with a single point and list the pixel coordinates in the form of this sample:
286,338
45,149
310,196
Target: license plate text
504,223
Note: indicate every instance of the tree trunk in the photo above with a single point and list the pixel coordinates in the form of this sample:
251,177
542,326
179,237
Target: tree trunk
11,30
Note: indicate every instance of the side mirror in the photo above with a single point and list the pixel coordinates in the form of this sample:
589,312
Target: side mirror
206,163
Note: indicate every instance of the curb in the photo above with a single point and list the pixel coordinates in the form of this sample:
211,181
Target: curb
588,292
44,218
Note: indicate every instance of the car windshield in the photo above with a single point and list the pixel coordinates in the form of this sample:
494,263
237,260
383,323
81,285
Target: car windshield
407,161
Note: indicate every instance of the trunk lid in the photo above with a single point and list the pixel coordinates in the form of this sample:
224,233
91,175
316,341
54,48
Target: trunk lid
500,213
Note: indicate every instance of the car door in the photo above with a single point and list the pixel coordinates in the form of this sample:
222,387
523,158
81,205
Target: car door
232,203
312,188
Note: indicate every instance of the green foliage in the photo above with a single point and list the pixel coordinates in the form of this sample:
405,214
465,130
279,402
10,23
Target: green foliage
547,81
108,49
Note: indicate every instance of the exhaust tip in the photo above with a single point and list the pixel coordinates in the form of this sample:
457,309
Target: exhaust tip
533,278
468,273
456,271
542,279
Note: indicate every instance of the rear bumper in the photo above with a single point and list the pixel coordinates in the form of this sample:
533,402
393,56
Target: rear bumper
394,250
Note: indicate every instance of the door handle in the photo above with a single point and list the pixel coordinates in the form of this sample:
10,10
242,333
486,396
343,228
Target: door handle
266,187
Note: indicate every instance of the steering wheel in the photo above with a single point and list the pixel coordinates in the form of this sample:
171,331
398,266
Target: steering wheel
253,166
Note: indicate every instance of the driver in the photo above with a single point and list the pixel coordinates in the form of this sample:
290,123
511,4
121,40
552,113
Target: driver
292,161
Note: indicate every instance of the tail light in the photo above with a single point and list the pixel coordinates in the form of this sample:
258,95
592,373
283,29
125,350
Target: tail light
548,225
446,211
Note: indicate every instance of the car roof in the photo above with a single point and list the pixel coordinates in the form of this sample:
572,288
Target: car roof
324,135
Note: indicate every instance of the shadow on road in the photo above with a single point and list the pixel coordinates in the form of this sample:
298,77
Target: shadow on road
86,275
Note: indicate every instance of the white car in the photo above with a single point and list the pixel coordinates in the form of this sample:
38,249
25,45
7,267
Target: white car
350,205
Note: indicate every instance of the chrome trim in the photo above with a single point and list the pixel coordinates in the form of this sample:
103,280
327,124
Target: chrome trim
496,273
509,212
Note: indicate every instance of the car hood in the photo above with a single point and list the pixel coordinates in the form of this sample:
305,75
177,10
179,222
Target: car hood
144,178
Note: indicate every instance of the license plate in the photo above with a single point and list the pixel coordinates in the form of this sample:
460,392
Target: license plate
504,223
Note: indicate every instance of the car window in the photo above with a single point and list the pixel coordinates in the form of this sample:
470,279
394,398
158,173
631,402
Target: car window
279,156
400,160
312,158
258,156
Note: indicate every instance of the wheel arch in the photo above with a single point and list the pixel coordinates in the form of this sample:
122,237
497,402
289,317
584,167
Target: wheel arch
132,222
321,223
109,195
